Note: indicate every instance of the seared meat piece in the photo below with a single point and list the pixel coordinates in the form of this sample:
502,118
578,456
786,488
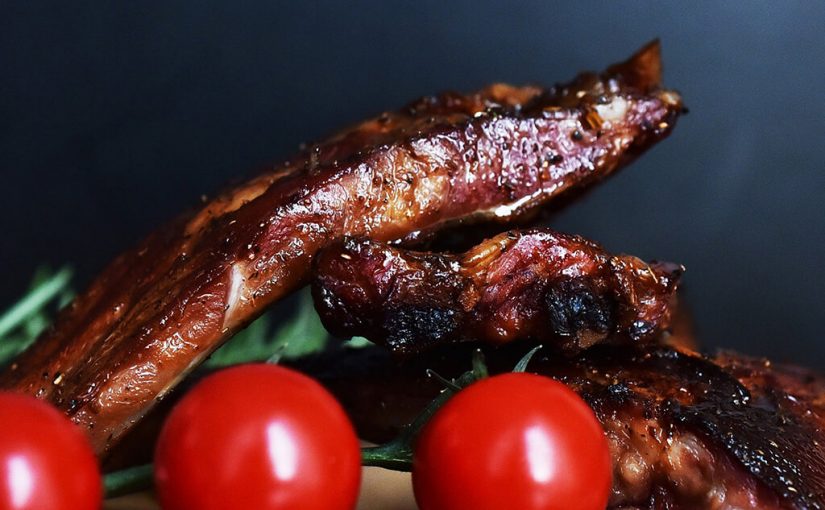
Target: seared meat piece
686,432
160,309
536,284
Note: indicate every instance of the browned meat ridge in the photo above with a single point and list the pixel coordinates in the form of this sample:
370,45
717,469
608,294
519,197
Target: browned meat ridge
686,432
157,311
532,284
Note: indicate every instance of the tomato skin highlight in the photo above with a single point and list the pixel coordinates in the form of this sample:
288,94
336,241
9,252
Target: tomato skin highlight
46,462
257,436
513,441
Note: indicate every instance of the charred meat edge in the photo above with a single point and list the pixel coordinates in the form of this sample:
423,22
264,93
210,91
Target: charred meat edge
523,284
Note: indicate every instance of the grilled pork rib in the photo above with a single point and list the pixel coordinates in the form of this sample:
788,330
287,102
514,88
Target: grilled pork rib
686,432
159,310
535,284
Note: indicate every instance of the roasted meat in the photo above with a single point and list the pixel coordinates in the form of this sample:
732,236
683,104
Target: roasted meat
157,311
530,284
686,432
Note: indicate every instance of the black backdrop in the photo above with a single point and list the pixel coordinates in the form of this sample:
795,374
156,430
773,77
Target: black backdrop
114,116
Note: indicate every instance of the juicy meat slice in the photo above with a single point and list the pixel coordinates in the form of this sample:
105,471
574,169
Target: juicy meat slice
685,431
535,284
157,311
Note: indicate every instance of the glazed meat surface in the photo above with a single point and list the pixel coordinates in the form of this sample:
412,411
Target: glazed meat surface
531,284
686,432
157,311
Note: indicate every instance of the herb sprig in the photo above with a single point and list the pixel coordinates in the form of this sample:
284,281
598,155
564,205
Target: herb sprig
25,320
396,454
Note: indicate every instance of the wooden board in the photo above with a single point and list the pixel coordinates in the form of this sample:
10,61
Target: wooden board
380,489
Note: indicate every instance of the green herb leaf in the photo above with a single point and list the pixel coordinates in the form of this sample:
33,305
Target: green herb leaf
25,320
303,334
521,366
479,364
357,342
300,335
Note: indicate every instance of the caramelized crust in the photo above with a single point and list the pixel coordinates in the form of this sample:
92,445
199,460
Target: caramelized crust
160,309
685,431
535,284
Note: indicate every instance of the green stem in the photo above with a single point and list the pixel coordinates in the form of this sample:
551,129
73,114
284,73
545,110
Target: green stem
127,481
33,301
394,455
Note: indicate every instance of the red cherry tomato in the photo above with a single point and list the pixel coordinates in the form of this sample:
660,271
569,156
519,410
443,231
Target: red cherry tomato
257,436
45,460
513,441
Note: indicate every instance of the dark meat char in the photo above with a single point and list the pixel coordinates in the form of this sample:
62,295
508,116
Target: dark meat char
535,284
686,432
160,309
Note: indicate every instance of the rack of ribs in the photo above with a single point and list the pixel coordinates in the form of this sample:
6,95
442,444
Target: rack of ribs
498,154
523,284
685,431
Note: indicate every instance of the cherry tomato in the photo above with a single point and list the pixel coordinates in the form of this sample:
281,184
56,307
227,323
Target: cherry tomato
257,436
45,460
513,441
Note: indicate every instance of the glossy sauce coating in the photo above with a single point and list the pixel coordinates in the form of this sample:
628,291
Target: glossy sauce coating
157,311
538,284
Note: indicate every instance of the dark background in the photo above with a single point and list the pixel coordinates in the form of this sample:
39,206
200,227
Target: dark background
114,116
